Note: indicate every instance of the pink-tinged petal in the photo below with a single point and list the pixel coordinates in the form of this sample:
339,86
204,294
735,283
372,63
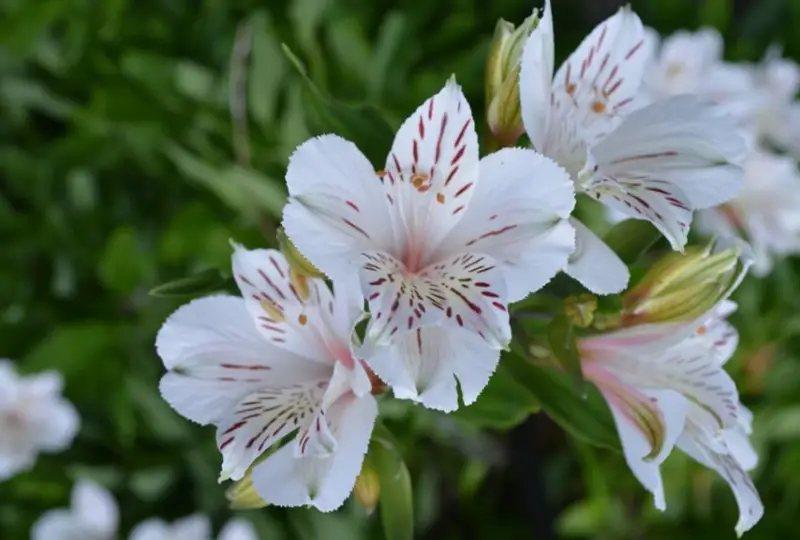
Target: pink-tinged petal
424,366
751,508
594,264
687,368
661,203
431,172
217,357
518,217
325,483
602,77
682,141
648,422
263,417
338,205
464,291
535,79
96,509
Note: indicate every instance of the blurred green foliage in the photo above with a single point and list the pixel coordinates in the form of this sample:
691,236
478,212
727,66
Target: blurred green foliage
137,138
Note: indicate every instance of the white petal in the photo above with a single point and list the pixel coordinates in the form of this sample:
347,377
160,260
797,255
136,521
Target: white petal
432,170
659,202
238,529
58,524
594,264
16,462
96,509
300,325
219,357
635,446
424,365
323,482
194,527
464,291
740,447
152,529
750,507
55,422
261,419
602,77
517,216
682,141
535,79
337,205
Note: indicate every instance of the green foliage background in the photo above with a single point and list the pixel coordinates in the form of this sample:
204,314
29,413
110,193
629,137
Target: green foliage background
122,166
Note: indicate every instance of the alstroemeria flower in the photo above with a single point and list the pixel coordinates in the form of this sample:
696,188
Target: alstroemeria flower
728,452
438,237
34,418
766,213
94,515
657,162
270,364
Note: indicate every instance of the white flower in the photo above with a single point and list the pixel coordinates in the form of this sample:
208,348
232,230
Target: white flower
664,393
777,114
657,162
767,211
728,452
270,364
93,515
438,237
33,418
194,527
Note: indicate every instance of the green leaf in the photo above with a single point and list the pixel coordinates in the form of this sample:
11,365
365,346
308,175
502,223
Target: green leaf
200,284
562,339
503,404
631,238
396,501
124,265
362,124
586,417
267,70
244,190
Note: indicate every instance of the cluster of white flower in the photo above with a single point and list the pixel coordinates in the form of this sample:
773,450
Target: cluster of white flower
94,515
437,244
761,98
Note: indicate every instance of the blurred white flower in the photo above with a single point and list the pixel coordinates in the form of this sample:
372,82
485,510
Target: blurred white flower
93,515
194,527
658,161
34,418
277,362
439,238
777,114
766,213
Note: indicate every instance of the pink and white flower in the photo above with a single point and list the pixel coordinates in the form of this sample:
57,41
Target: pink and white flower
269,364
438,237
664,393
34,418
658,161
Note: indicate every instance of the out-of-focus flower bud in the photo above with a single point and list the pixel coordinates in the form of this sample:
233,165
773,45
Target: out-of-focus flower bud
242,494
368,487
504,115
580,309
682,287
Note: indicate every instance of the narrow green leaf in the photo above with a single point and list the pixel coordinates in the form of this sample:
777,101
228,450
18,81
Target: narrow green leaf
362,124
586,417
396,501
202,283
631,238
561,336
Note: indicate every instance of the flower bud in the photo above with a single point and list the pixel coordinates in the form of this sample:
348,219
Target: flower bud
682,287
504,115
368,488
242,494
